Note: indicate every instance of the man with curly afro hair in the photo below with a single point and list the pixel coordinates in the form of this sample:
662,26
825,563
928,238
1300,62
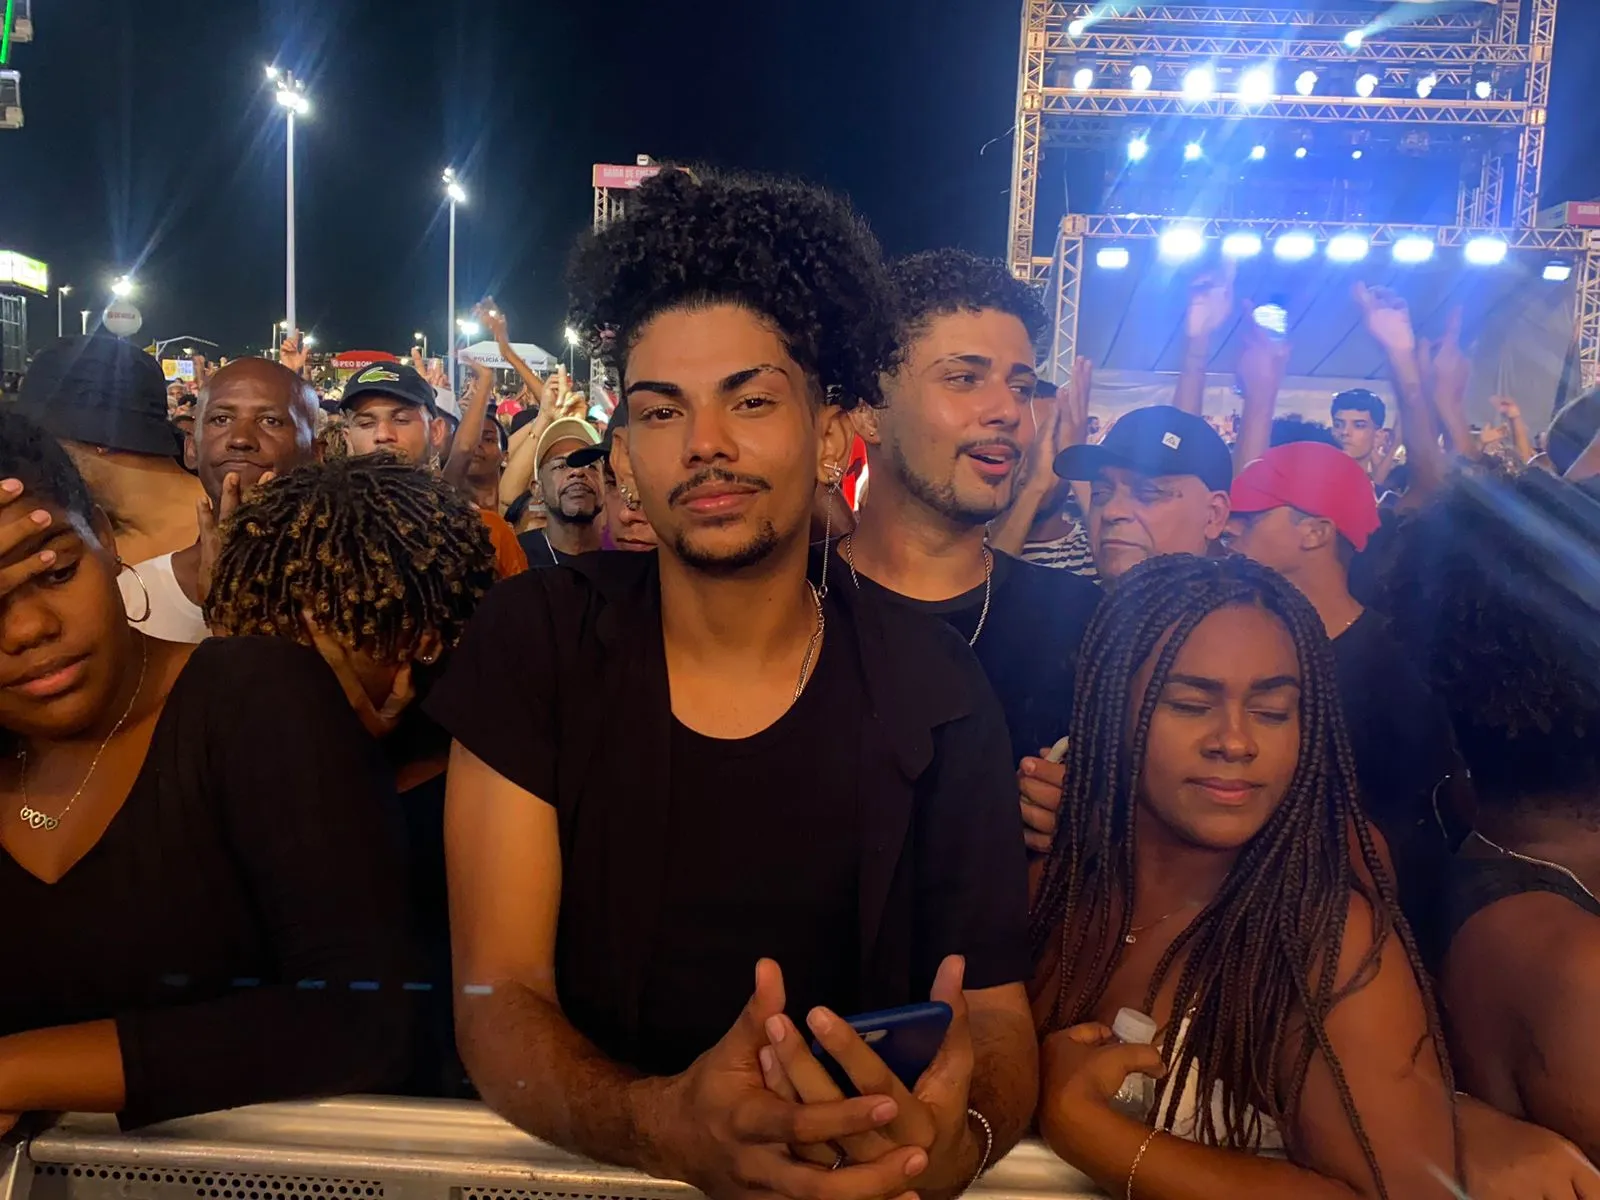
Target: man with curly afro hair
1495,587
815,787
947,455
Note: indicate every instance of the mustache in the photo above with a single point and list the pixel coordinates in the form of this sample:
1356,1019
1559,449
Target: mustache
998,439
715,475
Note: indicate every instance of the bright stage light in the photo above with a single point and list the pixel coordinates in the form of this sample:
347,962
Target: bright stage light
1141,77
1138,148
1113,258
1082,78
1181,243
1367,83
1354,39
1558,271
1241,245
1193,152
1301,152
1257,85
1294,247
1077,28
1305,83
1426,83
1200,83
1257,152
1358,155
1483,83
1486,251
1413,249
1348,248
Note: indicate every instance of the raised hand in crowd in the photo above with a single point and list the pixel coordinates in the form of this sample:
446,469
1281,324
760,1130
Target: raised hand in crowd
1511,413
293,353
1061,420
471,426
1388,321
212,521
1448,371
1211,305
493,318
931,1117
1263,362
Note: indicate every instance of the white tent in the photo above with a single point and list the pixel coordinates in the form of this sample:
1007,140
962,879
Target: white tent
488,354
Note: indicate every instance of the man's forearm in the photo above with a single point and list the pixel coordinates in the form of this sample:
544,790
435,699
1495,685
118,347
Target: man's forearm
1190,395
1426,459
1005,1076
1009,532
538,1072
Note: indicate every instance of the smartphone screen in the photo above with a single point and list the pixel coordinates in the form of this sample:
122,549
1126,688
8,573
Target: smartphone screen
906,1039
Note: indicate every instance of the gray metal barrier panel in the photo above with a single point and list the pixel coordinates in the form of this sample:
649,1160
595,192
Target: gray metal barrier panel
375,1149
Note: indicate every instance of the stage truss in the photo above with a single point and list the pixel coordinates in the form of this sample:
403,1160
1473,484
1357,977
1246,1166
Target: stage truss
1514,44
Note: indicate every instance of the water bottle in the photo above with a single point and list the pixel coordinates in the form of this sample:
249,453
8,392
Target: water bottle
1137,1094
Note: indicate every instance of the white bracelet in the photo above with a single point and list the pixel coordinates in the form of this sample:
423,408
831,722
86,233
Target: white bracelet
988,1146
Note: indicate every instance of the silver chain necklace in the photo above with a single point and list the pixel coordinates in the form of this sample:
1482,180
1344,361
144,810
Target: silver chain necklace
811,647
1537,862
32,817
848,546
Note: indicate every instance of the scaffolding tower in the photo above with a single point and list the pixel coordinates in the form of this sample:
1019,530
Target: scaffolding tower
1133,59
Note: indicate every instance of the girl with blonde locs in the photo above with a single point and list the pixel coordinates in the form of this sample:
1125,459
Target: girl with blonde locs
1290,993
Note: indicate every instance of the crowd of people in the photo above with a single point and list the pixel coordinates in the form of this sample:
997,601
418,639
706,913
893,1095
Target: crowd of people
384,743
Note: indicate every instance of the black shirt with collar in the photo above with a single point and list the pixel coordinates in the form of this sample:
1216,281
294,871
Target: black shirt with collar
1029,643
865,835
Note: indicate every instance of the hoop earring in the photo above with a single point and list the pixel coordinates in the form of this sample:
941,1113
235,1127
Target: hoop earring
139,579
835,478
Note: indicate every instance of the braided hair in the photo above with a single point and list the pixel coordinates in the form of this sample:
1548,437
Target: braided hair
379,551
1263,955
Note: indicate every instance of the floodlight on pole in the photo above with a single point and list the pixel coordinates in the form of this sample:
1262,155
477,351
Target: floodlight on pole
122,287
64,289
457,195
291,96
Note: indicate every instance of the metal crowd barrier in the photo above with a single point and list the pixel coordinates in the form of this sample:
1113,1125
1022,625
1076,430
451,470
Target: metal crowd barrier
374,1149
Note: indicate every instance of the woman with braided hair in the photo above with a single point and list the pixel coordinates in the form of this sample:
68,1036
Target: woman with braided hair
1214,871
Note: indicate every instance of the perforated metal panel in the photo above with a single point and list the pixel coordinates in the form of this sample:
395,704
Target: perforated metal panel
519,1194
89,1181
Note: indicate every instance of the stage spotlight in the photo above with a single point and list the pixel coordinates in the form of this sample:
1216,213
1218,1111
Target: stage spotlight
1486,251
1413,249
1257,85
1138,148
1083,78
1301,152
1077,28
1306,82
1181,243
1427,80
1348,248
1354,39
1557,271
1193,152
1141,77
1257,152
1367,83
1358,155
1241,245
1294,247
1113,258
1200,83
1483,83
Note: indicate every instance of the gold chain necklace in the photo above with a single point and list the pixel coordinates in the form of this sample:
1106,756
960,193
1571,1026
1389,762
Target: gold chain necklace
32,817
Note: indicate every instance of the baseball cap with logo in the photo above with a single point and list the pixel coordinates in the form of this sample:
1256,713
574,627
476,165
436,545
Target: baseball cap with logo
1159,440
101,391
394,379
565,429
1322,481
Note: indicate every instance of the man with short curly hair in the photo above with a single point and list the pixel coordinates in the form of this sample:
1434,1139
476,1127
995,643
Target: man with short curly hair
815,786
946,455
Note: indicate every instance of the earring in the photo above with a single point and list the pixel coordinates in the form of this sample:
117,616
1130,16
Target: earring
629,500
137,578
835,478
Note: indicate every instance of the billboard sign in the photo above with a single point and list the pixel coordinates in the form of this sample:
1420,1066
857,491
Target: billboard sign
18,270
624,177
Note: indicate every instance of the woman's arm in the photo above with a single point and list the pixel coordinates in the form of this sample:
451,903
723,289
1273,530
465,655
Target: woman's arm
1380,1037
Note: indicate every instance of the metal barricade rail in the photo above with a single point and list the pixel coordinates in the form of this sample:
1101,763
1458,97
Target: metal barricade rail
375,1149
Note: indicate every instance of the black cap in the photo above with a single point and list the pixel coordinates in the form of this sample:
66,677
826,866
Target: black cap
394,379
101,391
1159,440
588,455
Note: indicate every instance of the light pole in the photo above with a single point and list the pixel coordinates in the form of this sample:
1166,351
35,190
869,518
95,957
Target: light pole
457,195
63,289
420,339
122,287
291,95
83,321
572,351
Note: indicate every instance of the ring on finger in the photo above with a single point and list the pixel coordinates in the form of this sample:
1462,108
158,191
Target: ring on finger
838,1159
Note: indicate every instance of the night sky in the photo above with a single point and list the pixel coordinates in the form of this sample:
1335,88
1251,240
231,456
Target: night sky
153,144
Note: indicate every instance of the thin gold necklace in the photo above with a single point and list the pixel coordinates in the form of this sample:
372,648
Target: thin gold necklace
32,817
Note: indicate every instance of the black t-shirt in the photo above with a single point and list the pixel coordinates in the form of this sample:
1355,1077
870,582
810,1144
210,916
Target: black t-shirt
1404,748
539,550
866,834
1029,644
243,917
791,790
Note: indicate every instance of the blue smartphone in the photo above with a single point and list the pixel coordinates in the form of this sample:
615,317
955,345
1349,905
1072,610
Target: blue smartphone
907,1039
